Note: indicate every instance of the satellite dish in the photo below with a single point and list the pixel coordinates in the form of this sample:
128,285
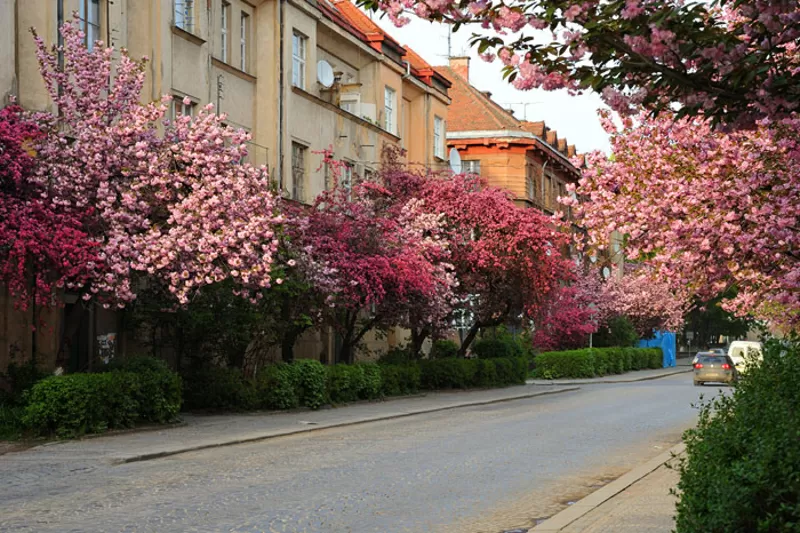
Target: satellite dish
325,74
593,258
455,161
606,272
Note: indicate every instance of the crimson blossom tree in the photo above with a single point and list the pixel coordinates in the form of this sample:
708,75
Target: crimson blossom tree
167,199
42,247
734,61
507,260
374,263
710,211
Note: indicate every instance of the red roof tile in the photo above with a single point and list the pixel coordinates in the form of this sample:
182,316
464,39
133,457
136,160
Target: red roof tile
537,128
471,110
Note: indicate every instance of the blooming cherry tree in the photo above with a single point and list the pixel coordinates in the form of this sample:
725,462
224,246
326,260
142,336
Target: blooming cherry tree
168,199
709,210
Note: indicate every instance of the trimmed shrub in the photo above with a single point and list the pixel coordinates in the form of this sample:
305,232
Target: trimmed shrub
276,386
443,349
588,363
395,356
617,331
20,378
159,391
371,386
742,463
397,380
472,373
75,404
214,387
567,364
311,383
344,382
486,374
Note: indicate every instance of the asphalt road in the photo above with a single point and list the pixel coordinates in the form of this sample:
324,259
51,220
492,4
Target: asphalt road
471,470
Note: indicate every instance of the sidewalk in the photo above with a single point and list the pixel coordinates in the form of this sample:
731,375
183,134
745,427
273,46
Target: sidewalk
637,502
201,432
684,365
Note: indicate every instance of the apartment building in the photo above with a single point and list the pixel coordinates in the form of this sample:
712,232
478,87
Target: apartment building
526,158
302,76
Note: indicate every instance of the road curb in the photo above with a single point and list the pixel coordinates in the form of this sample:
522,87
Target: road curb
610,381
309,429
591,502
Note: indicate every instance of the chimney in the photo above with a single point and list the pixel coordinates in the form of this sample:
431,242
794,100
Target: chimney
461,66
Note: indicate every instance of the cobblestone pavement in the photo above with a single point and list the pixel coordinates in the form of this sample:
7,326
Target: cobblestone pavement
472,470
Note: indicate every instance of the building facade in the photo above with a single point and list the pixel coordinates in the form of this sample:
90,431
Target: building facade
301,76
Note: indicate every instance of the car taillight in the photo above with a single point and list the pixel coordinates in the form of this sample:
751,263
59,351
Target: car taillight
726,366
698,365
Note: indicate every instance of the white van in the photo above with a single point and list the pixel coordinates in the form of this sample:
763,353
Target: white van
738,352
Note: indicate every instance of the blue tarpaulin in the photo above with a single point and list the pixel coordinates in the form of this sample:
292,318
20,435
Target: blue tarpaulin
666,341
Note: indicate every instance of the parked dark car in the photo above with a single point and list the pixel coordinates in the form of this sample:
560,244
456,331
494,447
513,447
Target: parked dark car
710,367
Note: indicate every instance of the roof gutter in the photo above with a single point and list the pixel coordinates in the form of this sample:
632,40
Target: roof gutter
508,134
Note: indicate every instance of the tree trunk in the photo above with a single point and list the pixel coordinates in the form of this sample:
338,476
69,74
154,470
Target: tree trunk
254,355
418,337
287,344
473,332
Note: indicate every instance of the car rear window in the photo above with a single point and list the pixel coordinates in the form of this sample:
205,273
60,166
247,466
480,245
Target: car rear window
712,359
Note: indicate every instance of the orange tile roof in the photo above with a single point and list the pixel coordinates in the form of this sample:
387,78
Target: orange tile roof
537,128
562,146
374,33
552,138
471,109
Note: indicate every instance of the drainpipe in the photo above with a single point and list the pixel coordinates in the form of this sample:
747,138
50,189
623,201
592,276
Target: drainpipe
281,99
544,200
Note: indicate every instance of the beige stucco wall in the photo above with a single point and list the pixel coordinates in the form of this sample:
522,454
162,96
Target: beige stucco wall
8,73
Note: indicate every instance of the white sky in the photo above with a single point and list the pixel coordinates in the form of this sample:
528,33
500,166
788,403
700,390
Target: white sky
574,117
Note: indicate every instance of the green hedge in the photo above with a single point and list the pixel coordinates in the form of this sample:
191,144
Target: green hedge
588,363
741,471
75,404
397,380
472,373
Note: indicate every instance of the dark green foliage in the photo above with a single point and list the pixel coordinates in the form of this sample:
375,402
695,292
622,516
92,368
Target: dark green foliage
443,349
617,331
159,391
472,373
499,342
212,387
591,362
20,378
348,383
75,404
371,387
396,356
311,383
741,472
397,380
277,387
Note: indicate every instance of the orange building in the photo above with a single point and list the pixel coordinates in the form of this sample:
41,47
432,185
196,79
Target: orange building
526,158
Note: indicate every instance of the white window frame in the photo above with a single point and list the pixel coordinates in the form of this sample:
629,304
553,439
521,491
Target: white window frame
299,171
244,31
471,166
438,137
179,109
184,15
390,109
299,51
224,22
89,16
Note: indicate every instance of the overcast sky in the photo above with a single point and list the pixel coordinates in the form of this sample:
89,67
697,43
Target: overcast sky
574,117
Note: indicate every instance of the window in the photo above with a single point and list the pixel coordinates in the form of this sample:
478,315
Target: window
184,15
89,16
369,175
298,171
223,31
438,137
347,178
389,110
530,191
244,30
181,109
471,166
298,60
